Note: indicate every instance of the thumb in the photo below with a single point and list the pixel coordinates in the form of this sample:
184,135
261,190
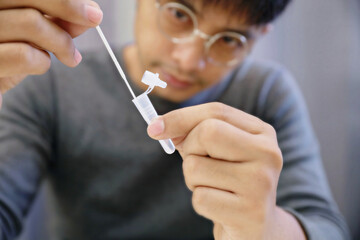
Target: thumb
156,128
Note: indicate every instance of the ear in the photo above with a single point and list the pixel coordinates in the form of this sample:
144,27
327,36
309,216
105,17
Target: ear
267,28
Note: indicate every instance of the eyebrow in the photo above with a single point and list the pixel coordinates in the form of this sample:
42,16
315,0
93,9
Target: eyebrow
247,34
189,4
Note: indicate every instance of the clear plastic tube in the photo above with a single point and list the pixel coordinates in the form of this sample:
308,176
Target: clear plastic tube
148,112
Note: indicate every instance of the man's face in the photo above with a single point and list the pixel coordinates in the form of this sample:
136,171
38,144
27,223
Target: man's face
183,66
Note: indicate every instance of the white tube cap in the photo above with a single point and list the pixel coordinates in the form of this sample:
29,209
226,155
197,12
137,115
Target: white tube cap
153,80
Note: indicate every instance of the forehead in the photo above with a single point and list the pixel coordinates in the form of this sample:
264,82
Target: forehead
219,11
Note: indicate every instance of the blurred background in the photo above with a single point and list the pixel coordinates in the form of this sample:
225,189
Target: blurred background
319,42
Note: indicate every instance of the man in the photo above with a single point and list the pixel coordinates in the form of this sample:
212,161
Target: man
245,145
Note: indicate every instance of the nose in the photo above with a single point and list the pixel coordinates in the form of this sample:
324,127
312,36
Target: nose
190,55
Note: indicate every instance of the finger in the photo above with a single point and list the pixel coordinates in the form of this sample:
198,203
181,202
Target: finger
73,29
240,218
21,58
221,233
217,205
37,29
203,171
180,122
218,231
221,140
82,12
241,178
10,82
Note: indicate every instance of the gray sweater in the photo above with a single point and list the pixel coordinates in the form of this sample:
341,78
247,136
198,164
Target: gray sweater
78,129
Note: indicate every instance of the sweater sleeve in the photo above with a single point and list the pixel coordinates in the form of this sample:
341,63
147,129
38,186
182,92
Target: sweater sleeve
25,140
303,188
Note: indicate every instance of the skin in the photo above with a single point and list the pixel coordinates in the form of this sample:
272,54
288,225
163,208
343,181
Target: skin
29,29
231,160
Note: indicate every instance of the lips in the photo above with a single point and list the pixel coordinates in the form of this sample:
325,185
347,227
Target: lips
175,82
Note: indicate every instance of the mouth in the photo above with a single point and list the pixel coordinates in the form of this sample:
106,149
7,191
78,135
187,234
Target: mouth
175,82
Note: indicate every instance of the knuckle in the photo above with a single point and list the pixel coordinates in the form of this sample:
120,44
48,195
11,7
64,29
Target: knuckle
209,129
44,67
219,110
34,23
199,199
258,212
261,125
190,165
65,3
74,8
269,129
22,53
68,42
69,46
273,149
25,56
65,44
65,49
33,20
273,155
188,185
277,158
266,179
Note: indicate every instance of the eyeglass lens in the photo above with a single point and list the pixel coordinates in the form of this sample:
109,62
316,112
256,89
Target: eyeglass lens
179,24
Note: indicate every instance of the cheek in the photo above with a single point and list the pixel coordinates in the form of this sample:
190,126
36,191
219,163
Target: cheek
212,75
150,41
152,47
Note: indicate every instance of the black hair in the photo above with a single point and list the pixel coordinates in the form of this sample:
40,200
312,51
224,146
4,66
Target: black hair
256,12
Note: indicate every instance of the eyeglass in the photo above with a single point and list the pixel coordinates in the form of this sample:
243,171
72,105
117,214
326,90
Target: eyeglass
178,23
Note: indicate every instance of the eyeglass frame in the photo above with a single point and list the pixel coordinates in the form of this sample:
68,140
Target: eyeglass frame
209,39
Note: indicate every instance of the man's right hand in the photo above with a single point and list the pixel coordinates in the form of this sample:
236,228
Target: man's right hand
29,29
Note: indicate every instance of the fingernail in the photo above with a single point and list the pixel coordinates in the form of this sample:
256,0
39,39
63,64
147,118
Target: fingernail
77,56
156,127
94,14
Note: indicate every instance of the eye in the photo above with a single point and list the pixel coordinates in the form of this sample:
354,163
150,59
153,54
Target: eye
231,41
179,14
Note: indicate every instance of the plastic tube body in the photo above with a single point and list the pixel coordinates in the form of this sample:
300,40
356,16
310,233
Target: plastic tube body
148,112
